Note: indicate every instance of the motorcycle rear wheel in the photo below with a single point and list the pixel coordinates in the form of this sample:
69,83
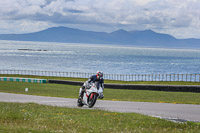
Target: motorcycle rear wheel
92,100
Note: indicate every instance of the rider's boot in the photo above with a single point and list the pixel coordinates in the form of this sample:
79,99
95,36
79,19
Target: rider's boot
101,96
82,92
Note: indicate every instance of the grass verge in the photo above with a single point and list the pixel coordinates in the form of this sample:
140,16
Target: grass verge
29,117
106,81
69,91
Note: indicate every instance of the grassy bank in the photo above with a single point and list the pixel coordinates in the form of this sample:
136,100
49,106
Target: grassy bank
106,81
69,91
19,118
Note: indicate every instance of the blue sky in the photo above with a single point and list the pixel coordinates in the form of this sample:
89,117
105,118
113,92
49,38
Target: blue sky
180,18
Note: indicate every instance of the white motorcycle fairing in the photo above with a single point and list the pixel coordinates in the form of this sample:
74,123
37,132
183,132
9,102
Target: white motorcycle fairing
90,96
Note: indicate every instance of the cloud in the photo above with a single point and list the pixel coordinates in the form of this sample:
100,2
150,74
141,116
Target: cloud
159,15
22,26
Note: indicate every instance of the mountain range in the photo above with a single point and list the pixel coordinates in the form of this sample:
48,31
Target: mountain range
147,38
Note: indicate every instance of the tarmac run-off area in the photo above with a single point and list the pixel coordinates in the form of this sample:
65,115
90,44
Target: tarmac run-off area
174,112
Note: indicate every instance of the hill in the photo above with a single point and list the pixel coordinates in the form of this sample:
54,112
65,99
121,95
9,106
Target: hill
70,35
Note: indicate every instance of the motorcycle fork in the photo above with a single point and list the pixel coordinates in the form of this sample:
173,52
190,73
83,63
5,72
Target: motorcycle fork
91,96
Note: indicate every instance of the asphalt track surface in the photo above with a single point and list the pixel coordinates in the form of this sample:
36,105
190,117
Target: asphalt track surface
174,112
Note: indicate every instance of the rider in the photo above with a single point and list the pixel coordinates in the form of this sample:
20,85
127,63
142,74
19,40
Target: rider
98,78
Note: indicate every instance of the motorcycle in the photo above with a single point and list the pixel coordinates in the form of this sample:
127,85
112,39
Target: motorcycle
90,96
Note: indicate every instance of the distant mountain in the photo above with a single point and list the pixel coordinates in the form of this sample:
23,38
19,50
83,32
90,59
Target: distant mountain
147,38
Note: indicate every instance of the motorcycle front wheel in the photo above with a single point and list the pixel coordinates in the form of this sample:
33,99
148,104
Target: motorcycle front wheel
92,100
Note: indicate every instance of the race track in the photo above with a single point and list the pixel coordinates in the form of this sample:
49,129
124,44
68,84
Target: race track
175,112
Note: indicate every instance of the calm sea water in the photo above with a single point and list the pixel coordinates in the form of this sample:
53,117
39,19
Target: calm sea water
90,58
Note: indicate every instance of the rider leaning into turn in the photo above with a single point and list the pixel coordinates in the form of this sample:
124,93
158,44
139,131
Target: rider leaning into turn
98,79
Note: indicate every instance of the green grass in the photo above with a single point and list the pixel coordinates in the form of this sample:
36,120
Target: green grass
23,118
70,91
106,81
54,90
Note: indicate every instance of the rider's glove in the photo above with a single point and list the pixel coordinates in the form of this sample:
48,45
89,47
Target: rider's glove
93,84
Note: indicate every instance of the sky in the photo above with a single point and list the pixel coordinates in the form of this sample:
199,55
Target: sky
179,18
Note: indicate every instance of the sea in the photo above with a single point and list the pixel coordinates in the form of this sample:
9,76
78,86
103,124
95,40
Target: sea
88,58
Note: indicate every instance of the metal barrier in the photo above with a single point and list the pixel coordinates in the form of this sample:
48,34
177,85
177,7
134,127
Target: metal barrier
174,88
120,77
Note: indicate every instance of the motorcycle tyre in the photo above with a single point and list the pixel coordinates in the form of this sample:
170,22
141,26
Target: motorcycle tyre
90,105
79,102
